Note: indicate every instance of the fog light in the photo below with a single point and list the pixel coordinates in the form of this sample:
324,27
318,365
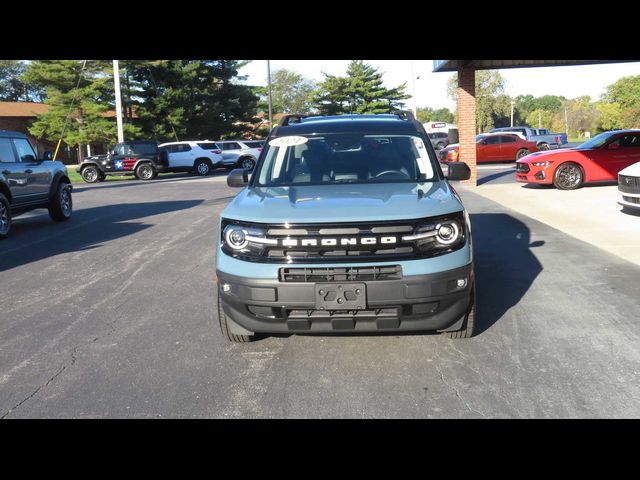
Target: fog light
462,282
226,287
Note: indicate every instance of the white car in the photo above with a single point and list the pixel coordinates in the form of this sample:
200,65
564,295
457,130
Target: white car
629,187
241,153
199,157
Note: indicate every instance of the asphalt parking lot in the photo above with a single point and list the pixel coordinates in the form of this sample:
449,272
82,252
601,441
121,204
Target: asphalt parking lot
113,314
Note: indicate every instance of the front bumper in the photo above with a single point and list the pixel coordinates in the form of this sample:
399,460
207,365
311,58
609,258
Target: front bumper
534,175
412,303
630,200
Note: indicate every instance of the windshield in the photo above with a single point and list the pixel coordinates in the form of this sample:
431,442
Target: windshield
597,141
344,158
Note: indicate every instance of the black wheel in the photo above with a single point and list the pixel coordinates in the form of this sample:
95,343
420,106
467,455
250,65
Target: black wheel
469,322
247,163
543,146
90,174
202,167
145,171
522,153
5,217
568,176
224,327
61,204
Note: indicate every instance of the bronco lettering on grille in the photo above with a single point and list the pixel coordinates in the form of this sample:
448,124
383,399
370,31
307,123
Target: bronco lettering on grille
332,242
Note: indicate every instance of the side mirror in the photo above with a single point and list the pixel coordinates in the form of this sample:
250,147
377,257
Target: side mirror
238,178
458,171
48,155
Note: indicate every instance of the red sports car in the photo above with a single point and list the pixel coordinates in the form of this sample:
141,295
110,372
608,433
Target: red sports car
598,159
493,147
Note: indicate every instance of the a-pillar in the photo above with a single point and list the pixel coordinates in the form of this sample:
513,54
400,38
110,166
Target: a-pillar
467,119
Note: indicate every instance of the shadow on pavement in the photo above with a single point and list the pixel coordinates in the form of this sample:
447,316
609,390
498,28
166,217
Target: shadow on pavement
38,237
169,178
494,176
505,266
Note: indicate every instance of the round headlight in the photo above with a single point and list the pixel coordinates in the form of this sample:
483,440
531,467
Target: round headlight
235,237
448,233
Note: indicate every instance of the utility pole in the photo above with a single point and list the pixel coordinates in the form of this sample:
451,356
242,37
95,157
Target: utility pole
269,82
413,87
512,104
566,123
116,81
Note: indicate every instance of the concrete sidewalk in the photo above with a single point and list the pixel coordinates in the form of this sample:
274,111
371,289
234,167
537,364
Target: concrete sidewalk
590,213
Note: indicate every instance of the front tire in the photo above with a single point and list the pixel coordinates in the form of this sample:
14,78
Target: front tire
568,176
224,327
468,325
90,174
5,217
144,172
202,167
61,205
439,146
523,152
247,163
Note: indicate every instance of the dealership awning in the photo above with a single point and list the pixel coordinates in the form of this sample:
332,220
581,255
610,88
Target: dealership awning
453,65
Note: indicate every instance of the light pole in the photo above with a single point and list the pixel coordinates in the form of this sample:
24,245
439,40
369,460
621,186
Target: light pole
413,87
116,81
512,105
269,82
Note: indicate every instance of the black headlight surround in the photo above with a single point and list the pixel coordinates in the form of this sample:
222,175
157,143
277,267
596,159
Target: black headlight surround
261,253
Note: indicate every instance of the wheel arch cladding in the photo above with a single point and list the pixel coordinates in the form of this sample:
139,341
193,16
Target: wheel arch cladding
6,191
59,177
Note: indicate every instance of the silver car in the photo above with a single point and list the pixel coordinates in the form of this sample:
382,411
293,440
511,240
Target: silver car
240,153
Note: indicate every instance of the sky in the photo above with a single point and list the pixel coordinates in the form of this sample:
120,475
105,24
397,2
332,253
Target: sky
431,88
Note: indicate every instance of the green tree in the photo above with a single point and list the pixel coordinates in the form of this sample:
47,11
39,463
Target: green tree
426,114
84,106
191,98
625,91
361,91
13,87
491,104
290,92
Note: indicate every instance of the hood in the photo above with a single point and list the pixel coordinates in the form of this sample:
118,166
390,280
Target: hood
631,170
343,203
96,157
547,154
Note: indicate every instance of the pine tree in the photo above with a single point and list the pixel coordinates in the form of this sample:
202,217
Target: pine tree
13,87
361,91
84,106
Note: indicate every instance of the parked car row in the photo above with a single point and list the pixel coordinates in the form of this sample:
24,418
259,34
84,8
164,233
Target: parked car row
144,159
493,147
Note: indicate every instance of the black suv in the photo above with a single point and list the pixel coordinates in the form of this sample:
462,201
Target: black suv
141,158
27,183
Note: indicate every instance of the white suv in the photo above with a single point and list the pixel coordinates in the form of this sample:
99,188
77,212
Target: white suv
193,156
241,153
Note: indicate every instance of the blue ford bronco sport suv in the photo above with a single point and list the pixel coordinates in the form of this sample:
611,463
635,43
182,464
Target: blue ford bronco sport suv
28,182
347,224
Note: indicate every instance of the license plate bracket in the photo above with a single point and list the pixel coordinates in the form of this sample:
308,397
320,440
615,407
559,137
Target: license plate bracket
341,296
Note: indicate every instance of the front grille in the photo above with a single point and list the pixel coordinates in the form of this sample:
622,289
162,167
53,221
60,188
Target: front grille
627,184
631,199
522,167
347,242
393,272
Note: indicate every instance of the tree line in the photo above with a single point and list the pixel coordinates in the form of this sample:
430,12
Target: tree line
206,99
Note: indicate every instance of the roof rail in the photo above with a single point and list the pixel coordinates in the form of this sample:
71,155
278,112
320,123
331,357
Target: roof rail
404,114
286,119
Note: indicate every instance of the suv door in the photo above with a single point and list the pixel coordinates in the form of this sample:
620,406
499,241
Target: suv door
38,177
13,171
183,156
230,151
